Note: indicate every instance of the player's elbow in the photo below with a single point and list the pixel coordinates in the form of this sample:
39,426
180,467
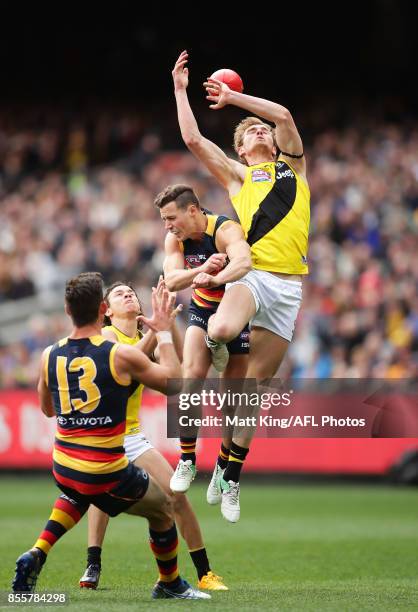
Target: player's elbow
170,280
171,285
282,116
192,140
48,411
246,264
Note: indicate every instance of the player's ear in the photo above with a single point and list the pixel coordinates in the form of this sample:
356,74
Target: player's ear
241,154
103,309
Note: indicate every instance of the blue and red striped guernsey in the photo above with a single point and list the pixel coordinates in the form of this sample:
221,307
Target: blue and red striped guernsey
196,252
90,403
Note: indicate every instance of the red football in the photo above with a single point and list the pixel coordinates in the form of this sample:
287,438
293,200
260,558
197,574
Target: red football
230,78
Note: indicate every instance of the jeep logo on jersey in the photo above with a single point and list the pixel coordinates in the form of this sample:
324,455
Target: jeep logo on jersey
286,174
260,176
194,260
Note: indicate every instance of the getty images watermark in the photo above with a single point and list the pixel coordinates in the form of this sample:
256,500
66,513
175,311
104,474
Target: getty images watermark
337,408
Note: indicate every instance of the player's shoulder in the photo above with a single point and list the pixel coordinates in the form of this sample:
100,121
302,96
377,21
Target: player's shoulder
109,333
62,343
172,245
229,227
127,352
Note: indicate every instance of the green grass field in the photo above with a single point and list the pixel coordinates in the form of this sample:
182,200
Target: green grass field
296,547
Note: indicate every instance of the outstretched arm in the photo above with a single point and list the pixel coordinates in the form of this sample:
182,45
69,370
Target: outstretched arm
228,172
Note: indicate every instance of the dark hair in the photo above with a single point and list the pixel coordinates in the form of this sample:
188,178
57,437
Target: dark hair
107,320
182,195
83,296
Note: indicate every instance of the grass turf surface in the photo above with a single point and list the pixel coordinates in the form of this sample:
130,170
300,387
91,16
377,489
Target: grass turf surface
322,547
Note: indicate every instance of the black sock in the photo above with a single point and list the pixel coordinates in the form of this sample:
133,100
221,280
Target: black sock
201,561
188,449
223,457
94,555
237,456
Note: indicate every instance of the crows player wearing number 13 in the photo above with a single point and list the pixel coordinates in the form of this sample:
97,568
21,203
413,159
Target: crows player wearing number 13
85,382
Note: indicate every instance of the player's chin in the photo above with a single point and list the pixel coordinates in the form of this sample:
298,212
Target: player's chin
131,307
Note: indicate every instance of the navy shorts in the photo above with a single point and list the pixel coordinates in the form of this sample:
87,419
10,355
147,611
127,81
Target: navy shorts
129,490
199,317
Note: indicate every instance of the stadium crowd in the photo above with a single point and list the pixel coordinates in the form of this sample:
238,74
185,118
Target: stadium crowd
81,198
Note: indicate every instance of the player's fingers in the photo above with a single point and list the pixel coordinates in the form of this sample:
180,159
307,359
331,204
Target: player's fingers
165,300
171,302
154,299
212,92
159,292
161,284
144,321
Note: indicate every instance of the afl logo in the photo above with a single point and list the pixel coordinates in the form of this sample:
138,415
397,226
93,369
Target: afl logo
193,260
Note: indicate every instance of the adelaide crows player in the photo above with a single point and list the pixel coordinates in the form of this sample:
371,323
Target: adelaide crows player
123,309
85,382
200,245
269,191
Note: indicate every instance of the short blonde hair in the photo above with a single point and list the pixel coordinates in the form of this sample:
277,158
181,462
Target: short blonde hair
243,126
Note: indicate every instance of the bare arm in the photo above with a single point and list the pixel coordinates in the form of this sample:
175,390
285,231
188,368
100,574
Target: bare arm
175,276
287,135
45,397
135,364
148,343
177,341
228,172
129,362
230,239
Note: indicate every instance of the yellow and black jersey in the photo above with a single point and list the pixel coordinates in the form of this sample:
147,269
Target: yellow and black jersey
90,402
135,398
196,252
273,209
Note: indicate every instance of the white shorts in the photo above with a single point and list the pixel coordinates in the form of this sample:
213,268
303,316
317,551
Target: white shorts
277,301
136,445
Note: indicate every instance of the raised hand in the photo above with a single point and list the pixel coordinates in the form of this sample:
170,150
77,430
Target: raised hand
162,309
181,72
218,92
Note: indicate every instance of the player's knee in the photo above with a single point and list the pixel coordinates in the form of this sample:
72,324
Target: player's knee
194,372
220,330
163,510
179,503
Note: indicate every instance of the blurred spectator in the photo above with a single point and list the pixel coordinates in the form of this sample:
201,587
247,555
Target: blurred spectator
81,198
